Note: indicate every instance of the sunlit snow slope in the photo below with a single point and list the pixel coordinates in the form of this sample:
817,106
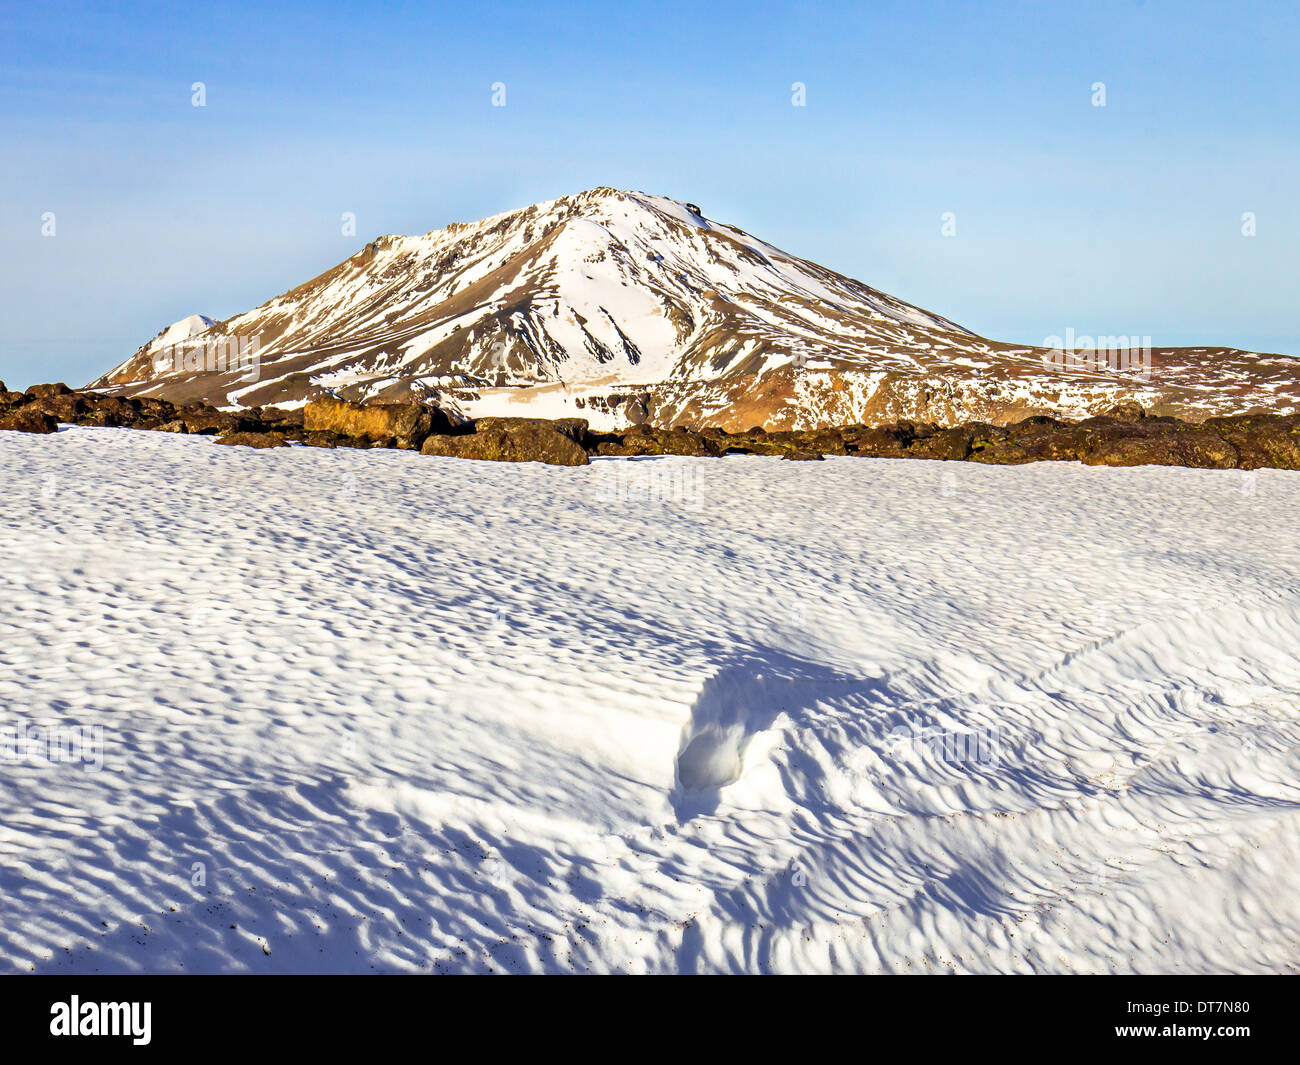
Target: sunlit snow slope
367,710
623,306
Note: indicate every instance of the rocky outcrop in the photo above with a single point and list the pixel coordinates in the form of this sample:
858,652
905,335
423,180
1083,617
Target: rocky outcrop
88,408
574,428
207,421
1260,440
1130,444
408,424
520,443
53,391
647,440
28,420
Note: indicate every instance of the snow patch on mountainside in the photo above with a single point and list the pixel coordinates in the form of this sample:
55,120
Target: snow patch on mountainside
183,330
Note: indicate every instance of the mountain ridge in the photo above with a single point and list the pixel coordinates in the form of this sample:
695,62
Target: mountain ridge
625,306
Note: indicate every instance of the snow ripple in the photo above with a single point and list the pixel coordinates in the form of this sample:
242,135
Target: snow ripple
366,710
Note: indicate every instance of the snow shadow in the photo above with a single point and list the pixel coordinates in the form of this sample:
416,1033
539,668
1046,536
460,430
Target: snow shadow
741,700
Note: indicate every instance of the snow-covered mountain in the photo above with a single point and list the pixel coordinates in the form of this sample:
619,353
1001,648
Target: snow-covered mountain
622,306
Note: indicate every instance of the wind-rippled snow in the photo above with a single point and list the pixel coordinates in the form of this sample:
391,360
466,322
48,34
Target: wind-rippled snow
373,711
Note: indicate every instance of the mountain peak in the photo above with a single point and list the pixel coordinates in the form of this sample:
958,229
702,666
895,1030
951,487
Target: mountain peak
595,202
583,303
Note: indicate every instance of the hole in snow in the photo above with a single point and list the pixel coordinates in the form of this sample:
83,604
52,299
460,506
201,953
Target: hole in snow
712,758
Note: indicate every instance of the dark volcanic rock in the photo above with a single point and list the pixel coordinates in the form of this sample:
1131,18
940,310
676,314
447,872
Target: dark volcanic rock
318,439
1261,440
635,408
1128,411
984,436
29,420
48,391
63,406
109,411
645,440
94,408
823,441
949,444
1035,439
1157,443
881,442
257,440
523,443
682,441
576,429
804,456
208,421
282,419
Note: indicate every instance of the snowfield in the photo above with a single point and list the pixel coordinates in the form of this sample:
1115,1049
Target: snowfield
371,711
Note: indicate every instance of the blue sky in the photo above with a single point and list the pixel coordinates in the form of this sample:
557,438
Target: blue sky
1123,219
